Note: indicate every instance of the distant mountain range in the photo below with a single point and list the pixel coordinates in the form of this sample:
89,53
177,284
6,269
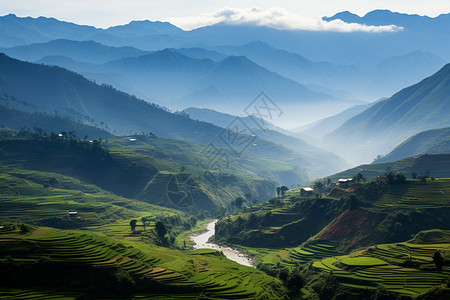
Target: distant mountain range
377,130
82,51
175,80
352,63
343,82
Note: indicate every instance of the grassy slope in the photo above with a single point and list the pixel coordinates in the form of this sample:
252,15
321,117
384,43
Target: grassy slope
142,169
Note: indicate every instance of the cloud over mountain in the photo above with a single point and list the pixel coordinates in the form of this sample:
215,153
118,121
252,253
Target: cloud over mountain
276,17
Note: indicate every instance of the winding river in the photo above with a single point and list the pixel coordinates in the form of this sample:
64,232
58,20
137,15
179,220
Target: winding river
201,241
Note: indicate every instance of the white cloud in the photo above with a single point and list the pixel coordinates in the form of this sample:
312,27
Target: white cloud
276,17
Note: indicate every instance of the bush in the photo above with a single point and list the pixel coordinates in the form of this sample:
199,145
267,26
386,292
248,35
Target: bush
25,228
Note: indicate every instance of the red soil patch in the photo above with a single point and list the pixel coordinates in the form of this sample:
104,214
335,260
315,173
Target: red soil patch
357,226
345,224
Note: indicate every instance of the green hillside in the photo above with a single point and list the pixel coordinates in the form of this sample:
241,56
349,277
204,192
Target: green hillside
349,241
19,120
363,215
148,168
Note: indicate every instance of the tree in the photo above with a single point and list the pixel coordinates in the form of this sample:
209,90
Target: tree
278,191
359,177
400,178
353,202
133,225
144,221
160,230
238,202
414,175
283,190
318,185
423,178
438,260
390,177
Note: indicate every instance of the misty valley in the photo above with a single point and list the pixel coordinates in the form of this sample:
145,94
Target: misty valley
236,160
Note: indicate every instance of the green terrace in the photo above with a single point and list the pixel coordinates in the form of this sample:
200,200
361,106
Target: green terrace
415,194
156,271
402,268
23,200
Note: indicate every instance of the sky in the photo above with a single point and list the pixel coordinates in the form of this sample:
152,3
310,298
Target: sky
196,13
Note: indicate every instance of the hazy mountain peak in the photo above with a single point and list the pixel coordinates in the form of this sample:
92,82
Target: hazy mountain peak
144,27
423,106
381,17
258,43
345,16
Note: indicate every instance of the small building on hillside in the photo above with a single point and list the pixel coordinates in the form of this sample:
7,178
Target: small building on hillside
344,182
73,213
306,191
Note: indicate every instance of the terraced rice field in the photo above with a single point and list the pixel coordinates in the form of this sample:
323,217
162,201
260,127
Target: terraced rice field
406,269
417,194
214,275
314,250
23,200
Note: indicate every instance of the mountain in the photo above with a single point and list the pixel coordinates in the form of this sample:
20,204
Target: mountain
363,49
200,53
432,165
223,120
83,51
297,67
274,134
341,81
377,130
341,61
22,31
163,76
59,91
66,63
324,126
395,73
381,17
426,142
416,28
143,28
242,80
385,78
172,79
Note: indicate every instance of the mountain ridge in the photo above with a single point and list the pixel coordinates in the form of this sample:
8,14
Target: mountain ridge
423,106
